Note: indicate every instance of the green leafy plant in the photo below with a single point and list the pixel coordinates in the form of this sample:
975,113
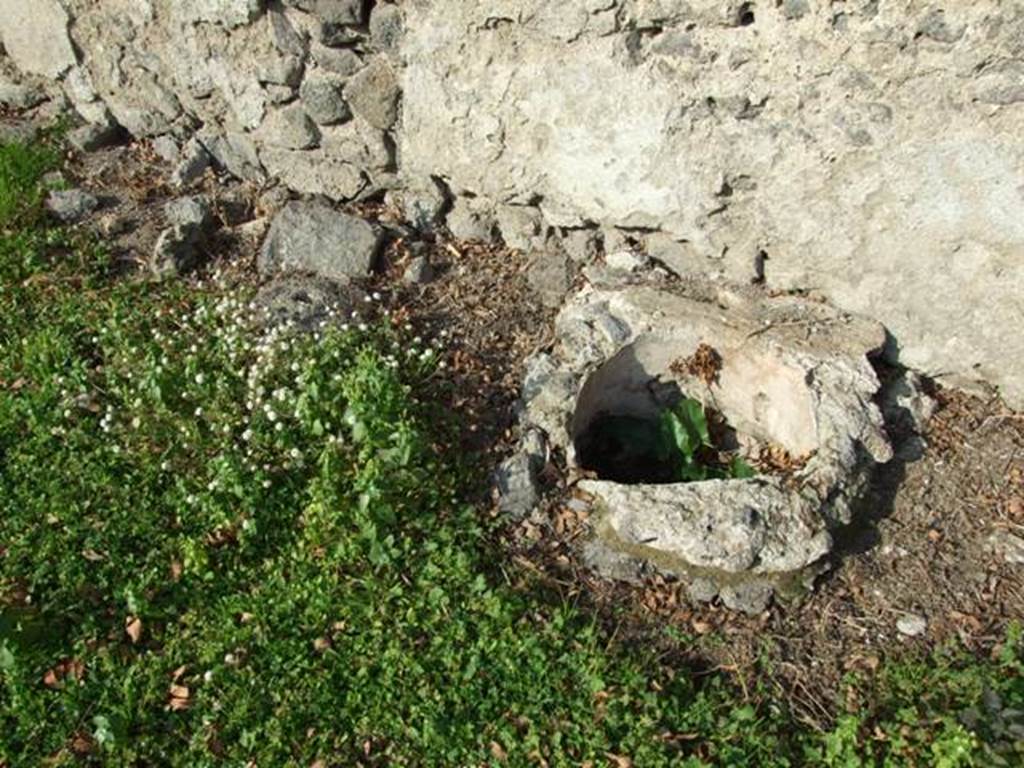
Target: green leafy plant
684,442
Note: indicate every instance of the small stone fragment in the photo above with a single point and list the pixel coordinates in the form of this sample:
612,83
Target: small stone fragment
905,403
422,205
549,276
175,251
517,480
750,598
627,260
610,563
71,205
188,212
91,137
373,93
385,25
581,245
418,272
519,225
192,165
312,237
470,220
323,100
290,128
234,151
517,484
912,625
17,96
338,61
702,590
167,149
1008,546
273,200
343,12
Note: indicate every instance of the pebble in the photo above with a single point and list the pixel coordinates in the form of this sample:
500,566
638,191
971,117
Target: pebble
912,625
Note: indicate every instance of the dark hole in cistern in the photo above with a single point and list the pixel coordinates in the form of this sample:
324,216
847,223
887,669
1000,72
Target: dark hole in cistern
623,449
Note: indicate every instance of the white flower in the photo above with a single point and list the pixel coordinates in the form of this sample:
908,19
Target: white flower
271,414
266,483
376,296
199,411
190,499
247,435
200,378
279,426
165,465
295,453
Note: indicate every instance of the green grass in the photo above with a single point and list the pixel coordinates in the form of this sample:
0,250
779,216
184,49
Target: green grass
227,545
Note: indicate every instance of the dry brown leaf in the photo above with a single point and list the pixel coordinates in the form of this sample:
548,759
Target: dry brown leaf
179,698
179,691
701,627
81,744
619,761
498,752
133,628
176,570
51,679
74,669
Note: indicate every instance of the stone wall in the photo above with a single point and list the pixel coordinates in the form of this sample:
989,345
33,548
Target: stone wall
868,151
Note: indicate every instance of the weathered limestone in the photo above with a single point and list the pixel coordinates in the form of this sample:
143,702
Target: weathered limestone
35,36
794,374
869,152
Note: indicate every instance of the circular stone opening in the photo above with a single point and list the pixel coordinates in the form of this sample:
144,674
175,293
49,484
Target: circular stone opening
619,429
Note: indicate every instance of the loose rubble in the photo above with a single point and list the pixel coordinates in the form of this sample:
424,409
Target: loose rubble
314,238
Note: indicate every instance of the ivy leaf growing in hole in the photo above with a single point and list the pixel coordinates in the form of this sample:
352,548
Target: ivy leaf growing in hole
683,436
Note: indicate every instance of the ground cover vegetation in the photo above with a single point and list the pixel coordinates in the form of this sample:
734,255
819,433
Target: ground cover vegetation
225,543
